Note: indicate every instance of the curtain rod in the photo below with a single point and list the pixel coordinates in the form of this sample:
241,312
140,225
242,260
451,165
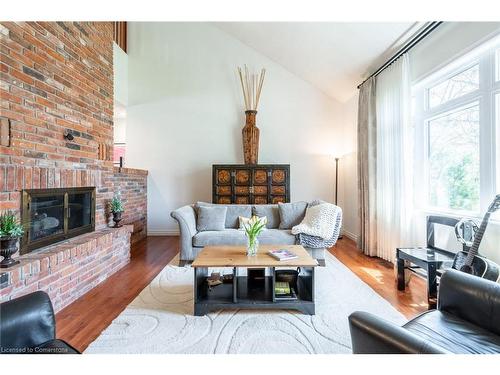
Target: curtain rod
408,45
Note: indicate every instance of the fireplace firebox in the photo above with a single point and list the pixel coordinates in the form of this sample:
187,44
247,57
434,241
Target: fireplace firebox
53,215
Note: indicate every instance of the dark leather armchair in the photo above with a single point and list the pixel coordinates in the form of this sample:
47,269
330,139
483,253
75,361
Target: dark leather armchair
27,325
467,320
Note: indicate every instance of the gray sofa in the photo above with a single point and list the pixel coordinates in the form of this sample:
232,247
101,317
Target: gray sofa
192,241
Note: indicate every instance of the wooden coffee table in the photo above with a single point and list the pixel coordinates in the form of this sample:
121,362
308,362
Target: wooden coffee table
241,293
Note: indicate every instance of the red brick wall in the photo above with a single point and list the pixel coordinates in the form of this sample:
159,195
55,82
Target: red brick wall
132,184
57,77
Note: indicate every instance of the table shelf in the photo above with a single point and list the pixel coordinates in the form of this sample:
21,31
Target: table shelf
244,293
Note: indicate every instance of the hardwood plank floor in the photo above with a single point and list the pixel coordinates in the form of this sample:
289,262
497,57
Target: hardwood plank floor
379,275
81,322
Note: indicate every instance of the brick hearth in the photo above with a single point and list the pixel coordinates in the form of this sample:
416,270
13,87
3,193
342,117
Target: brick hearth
69,269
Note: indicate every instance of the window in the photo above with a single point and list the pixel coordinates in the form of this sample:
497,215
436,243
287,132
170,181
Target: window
457,127
454,87
453,159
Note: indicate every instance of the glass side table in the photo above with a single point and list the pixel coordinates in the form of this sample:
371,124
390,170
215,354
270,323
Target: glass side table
429,260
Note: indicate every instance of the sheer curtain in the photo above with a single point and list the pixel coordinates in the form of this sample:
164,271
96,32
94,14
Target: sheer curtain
393,160
367,155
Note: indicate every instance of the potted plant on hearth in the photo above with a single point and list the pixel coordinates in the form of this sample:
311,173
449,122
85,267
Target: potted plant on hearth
252,230
116,207
10,232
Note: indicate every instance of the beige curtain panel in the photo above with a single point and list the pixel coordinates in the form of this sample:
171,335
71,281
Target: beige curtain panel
367,167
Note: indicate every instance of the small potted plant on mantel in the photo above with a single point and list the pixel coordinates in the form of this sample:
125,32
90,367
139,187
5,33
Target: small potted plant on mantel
116,207
10,232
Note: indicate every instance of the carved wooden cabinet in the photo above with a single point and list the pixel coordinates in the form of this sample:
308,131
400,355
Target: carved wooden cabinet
251,184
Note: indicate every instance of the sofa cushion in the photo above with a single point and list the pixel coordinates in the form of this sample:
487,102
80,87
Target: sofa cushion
211,218
456,335
277,237
291,214
234,211
237,237
271,211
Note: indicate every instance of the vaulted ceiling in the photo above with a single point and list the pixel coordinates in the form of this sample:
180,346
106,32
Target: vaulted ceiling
332,56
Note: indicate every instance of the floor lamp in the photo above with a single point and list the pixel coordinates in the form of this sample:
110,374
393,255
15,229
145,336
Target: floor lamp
337,184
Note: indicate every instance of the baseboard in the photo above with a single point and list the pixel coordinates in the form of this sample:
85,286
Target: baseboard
350,235
161,232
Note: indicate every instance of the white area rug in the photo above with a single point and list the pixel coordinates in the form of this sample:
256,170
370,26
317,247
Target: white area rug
160,319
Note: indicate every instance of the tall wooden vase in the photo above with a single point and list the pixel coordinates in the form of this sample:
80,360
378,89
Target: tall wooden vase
250,134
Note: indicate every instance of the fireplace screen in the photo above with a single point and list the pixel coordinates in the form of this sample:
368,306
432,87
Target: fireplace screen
46,216
52,215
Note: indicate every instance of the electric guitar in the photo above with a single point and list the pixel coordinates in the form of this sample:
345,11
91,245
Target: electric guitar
471,262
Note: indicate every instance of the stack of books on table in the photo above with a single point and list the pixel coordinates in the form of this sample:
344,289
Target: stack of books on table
283,291
282,254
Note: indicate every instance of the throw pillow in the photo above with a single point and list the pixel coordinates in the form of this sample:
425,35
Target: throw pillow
291,214
244,221
271,211
232,214
211,218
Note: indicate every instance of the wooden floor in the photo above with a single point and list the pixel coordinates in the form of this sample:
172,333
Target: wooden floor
379,274
81,322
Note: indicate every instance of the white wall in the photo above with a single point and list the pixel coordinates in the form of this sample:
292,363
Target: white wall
120,129
120,75
348,169
120,88
185,113
447,42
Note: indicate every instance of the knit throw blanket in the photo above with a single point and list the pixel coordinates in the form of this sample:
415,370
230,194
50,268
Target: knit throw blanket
320,227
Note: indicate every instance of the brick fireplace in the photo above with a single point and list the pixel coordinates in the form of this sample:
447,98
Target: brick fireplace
56,78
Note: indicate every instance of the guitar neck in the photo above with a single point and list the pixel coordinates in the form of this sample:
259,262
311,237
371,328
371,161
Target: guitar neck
495,205
479,236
